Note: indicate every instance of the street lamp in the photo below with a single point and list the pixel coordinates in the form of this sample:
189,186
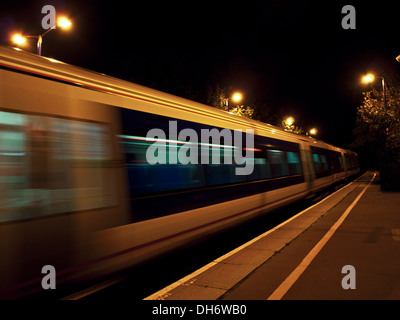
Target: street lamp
18,39
62,22
369,78
287,124
237,97
313,131
289,121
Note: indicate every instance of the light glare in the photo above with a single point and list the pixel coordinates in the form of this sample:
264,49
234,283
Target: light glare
368,78
18,39
289,121
237,97
64,23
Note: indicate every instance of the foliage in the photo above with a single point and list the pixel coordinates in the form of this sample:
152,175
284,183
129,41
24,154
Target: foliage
243,111
290,127
217,98
378,123
378,133
266,114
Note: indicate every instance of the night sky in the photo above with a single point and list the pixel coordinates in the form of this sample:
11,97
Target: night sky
292,57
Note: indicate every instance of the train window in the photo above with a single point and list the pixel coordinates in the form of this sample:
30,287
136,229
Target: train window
337,162
294,164
334,160
282,157
326,161
272,157
278,163
224,172
161,177
340,162
320,163
261,169
51,165
317,163
284,163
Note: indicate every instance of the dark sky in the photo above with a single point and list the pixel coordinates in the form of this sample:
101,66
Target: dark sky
293,57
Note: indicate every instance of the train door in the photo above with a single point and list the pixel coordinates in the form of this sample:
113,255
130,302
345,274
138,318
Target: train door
306,159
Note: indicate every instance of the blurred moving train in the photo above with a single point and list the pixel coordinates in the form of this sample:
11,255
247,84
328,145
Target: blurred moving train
77,193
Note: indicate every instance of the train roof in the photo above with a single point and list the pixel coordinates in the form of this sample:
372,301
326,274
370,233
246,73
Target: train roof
15,58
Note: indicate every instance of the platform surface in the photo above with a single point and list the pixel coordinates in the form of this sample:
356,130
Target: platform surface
346,246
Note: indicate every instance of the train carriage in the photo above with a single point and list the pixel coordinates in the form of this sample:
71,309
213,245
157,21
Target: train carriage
77,190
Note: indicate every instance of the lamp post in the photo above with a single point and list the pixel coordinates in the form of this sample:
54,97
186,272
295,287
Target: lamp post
289,121
237,97
287,124
369,78
313,131
62,22
19,39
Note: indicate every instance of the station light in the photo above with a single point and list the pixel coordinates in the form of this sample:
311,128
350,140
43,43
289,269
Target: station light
64,23
18,39
289,121
368,78
237,97
313,131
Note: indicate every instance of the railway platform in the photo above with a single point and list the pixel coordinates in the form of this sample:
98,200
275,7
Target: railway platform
344,247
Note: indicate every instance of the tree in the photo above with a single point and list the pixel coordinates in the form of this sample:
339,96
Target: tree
289,126
378,125
243,111
217,98
266,114
378,132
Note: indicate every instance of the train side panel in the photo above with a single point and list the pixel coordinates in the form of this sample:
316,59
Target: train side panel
78,193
